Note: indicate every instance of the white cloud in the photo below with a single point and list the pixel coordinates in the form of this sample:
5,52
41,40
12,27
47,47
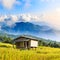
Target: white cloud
53,18
12,19
58,9
25,17
27,3
2,18
28,17
44,0
49,0
10,23
9,3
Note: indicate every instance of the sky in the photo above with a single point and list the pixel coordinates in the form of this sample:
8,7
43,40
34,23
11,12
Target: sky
32,11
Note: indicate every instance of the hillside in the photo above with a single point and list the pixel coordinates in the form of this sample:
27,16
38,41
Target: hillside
8,38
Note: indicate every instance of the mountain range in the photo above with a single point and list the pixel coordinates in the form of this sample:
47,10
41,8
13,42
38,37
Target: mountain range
27,28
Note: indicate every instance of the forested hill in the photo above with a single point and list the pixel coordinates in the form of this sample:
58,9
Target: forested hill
42,42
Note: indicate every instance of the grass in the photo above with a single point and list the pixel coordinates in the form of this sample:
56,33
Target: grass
6,45
41,53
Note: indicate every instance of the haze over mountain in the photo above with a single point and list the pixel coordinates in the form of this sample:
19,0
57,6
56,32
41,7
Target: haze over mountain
28,24
27,28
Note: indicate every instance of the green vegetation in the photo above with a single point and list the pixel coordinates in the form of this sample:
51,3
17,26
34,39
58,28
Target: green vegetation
6,45
41,53
6,39
42,42
49,43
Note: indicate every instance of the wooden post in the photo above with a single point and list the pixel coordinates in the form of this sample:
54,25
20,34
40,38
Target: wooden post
25,44
13,45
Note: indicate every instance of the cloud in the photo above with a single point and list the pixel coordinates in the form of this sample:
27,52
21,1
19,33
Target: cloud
53,18
27,3
28,17
12,19
44,0
48,0
9,3
2,18
58,9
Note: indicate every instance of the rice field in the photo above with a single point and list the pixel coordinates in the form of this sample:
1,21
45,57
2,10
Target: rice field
41,53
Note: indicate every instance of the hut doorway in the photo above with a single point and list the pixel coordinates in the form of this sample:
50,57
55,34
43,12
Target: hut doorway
26,44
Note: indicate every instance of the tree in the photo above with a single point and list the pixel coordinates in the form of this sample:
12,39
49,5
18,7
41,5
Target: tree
5,39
